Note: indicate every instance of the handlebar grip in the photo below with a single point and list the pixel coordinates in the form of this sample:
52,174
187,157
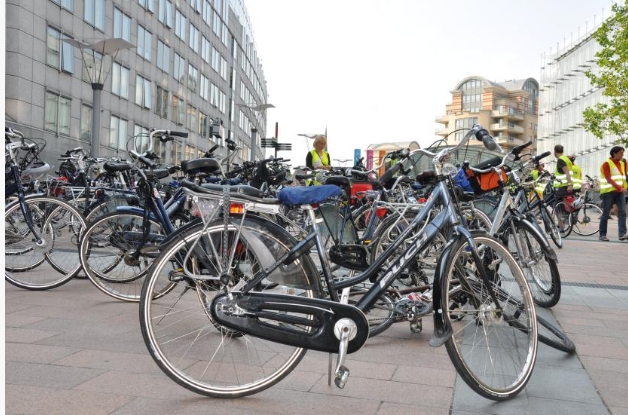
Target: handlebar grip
181,134
541,156
486,139
520,148
229,141
214,148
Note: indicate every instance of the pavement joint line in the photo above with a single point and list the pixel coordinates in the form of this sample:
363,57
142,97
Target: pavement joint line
594,285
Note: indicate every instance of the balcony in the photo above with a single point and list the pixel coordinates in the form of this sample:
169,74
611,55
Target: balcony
442,119
507,127
442,131
507,113
507,140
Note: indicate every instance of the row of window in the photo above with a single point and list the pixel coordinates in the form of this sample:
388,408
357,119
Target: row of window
94,14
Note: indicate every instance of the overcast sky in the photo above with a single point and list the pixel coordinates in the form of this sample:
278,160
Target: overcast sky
379,71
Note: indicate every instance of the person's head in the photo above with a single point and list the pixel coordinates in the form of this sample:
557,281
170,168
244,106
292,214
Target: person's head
617,153
320,142
541,167
558,150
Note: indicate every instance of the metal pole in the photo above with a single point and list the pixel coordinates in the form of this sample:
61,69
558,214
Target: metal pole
253,142
95,145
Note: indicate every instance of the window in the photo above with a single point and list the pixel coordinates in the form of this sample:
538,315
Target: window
465,124
204,92
178,110
159,148
120,80
148,5
202,125
118,132
144,42
95,13
92,65
207,12
193,38
165,12
121,25
180,23
86,122
176,152
179,67
192,77
142,135
225,35
161,105
59,55
205,49
218,6
223,68
142,91
163,56
57,113
192,120
215,60
196,5
216,24
222,102
213,95
66,4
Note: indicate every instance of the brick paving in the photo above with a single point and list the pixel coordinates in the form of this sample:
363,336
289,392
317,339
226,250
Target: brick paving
72,350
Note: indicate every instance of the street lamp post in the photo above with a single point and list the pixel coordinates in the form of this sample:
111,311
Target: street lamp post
105,47
261,108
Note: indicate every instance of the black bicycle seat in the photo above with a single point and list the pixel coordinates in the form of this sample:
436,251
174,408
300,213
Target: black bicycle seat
116,167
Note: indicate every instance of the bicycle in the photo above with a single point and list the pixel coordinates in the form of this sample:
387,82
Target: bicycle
261,304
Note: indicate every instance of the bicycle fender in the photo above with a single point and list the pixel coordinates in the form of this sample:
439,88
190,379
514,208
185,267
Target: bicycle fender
533,229
134,209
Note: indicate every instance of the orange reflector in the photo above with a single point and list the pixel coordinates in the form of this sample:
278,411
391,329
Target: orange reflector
380,212
422,200
236,208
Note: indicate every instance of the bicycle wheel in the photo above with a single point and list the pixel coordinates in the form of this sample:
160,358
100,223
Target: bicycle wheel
477,219
537,264
563,222
178,328
549,222
53,261
493,346
586,221
381,316
110,257
554,337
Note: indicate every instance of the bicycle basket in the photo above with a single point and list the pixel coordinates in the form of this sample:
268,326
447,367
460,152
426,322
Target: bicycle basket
485,182
332,224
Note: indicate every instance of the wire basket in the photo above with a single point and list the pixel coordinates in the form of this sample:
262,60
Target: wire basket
335,225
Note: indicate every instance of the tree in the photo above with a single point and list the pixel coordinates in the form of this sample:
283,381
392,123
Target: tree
612,117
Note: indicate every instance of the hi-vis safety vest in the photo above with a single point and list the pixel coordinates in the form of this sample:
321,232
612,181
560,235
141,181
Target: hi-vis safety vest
540,186
561,178
316,163
576,177
618,175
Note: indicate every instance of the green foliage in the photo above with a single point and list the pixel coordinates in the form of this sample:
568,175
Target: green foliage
612,117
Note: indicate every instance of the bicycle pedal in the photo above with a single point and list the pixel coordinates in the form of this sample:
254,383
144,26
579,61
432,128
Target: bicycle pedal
342,375
416,326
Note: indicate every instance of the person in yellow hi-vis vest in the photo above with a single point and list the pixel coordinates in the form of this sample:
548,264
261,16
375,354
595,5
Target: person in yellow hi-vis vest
318,158
576,177
564,171
540,186
613,191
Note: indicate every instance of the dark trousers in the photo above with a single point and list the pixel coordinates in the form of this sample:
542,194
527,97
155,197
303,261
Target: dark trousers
609,199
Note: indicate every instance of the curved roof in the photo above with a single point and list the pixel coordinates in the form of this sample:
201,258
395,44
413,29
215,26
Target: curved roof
510,85
412,145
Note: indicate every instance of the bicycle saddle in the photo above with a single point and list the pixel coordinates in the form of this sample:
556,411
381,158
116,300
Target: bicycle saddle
203,165
116,167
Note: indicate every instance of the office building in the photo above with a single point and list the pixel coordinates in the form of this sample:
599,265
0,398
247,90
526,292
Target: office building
194,64
508,110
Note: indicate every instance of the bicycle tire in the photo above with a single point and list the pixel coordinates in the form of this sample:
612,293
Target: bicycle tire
550,227
157,343
560,208
473,372
596,214
564,343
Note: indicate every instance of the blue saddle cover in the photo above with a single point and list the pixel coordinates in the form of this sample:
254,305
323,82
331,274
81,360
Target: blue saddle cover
307,195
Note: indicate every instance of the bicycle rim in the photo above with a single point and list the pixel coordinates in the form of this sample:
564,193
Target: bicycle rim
586,221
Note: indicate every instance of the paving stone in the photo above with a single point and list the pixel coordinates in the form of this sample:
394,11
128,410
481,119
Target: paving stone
618,411
18,320
425,376
35,353
22,335
555,406
613,387
197,406
395,392
562,383
389,408
28,400
300,381
604,351
601,363
102,359
47,376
